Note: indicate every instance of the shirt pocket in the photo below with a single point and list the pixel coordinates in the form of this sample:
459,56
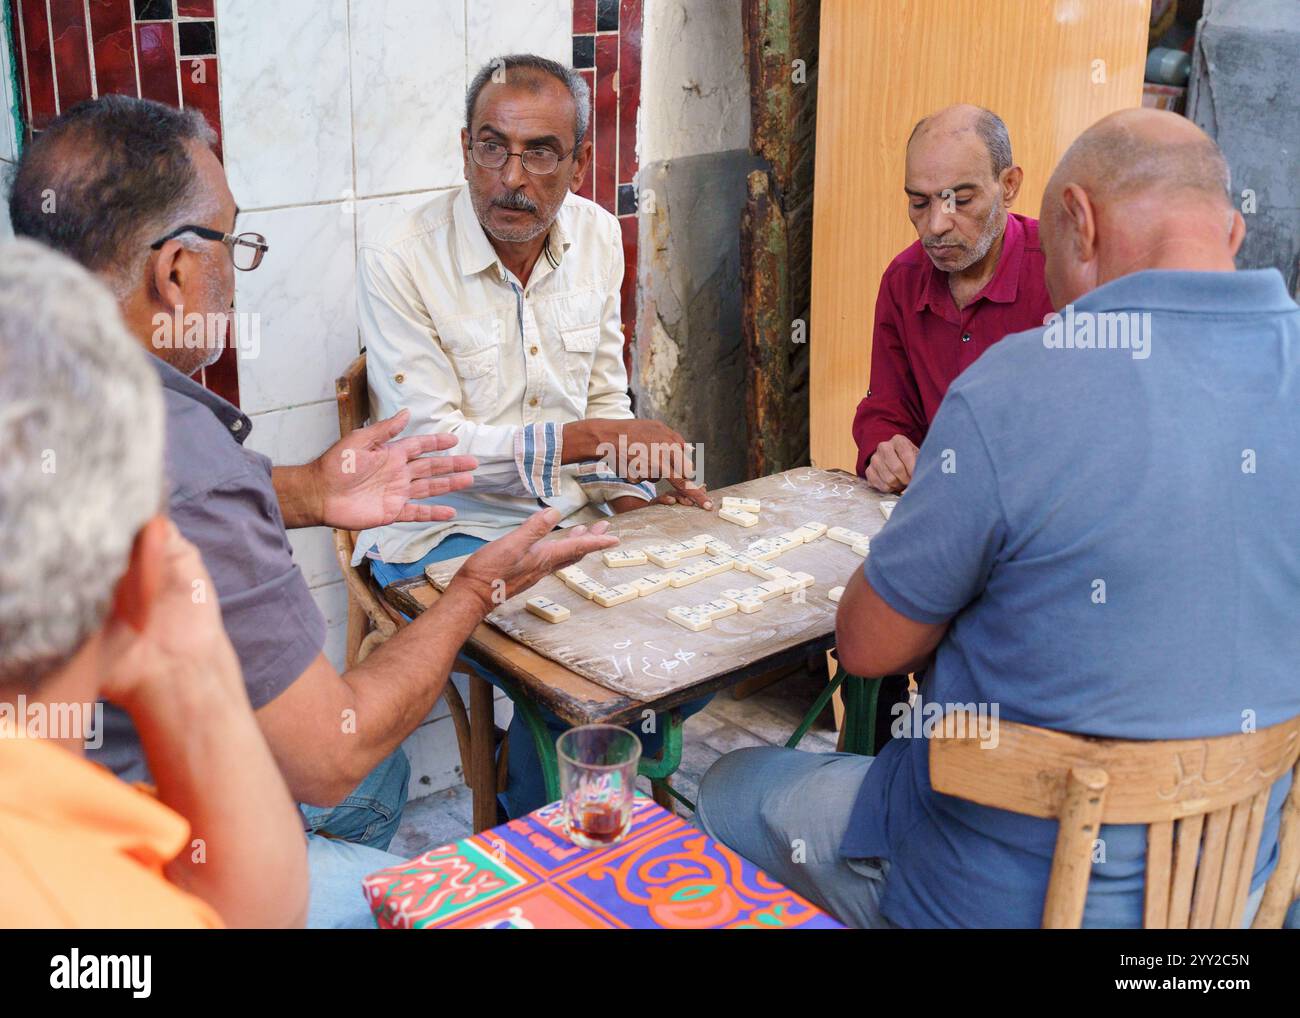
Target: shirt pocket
580,343
473,345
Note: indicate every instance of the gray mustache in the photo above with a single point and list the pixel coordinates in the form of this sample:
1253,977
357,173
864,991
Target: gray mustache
516,201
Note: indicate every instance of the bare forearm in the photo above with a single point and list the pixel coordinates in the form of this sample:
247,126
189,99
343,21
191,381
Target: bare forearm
396,686
299,496
581,441
212,766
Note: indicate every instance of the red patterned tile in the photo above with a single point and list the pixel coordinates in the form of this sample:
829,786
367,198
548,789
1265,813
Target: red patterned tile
71,52
199,89
157,48
629,86
195,8
223,376
110,30
36,60
629,226
584,16
588,181
606,119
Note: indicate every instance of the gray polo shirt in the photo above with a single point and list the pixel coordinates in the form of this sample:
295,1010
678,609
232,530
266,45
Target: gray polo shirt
222,500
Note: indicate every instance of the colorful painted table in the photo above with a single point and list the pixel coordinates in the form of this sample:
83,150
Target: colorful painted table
526,874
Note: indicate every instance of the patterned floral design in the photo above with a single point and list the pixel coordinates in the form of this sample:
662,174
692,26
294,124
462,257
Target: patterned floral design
526,875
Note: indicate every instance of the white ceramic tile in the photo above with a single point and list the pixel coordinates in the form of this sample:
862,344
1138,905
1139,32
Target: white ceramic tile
543,27
304,296
285,106
434,756
313,550
408,83
333,604
296,435
375,215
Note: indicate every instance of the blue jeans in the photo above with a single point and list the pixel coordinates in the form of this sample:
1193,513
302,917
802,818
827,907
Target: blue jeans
525,784
371,815
359,829
337,901
787,811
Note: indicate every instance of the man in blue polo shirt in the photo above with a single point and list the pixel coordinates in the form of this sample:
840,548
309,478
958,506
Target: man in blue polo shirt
1099,538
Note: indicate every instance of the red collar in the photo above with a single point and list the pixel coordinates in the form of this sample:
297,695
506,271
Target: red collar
1001,289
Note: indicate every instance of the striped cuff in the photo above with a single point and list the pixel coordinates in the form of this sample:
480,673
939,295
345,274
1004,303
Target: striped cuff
601,484
537,454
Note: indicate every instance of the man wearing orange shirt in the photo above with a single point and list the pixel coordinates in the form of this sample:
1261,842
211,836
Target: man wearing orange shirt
100,597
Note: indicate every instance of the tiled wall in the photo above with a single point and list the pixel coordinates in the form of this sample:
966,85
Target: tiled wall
70,50
607,47
336,117
10,121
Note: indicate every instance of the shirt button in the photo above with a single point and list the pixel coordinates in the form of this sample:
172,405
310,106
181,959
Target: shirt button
237,426
533,401
533,351
399,378
965,337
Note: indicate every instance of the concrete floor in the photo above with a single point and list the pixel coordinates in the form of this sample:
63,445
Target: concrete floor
767,718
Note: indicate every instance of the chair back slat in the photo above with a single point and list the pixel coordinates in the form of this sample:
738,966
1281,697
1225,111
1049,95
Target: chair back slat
1209,867
1080,825
1284,885
1160,852
366,607
1202,800
1233,852
353,397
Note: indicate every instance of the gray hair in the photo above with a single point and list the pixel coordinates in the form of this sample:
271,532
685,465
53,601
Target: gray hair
497,70
81,457
993,132
108,178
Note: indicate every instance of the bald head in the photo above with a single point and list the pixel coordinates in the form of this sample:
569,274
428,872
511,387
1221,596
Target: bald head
955,123
1139,189
1143,152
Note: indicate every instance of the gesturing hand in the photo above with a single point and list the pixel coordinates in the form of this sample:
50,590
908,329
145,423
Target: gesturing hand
366,480
500,570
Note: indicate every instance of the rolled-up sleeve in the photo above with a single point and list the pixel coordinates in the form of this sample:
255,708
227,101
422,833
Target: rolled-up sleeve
398,332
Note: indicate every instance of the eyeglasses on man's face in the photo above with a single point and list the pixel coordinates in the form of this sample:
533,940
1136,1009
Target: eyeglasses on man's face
246,249
492,155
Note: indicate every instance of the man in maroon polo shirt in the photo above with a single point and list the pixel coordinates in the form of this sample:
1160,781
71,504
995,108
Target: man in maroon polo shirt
974,275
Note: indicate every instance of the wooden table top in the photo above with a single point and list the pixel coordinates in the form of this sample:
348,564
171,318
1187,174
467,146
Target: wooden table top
789,498
577,700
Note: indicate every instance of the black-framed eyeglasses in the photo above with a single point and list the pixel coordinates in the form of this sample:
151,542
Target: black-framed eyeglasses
492,155
246,249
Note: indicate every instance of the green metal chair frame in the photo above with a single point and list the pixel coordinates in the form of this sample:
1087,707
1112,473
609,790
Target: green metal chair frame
860,696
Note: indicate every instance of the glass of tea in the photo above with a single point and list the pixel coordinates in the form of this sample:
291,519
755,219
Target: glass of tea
598,782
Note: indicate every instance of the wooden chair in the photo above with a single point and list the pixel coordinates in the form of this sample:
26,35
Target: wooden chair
1203,801
371,620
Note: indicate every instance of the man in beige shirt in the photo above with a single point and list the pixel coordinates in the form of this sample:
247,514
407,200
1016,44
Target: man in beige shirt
492,313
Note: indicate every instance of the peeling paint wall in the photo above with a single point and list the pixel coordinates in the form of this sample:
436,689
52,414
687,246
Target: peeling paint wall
1244,93
688,364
